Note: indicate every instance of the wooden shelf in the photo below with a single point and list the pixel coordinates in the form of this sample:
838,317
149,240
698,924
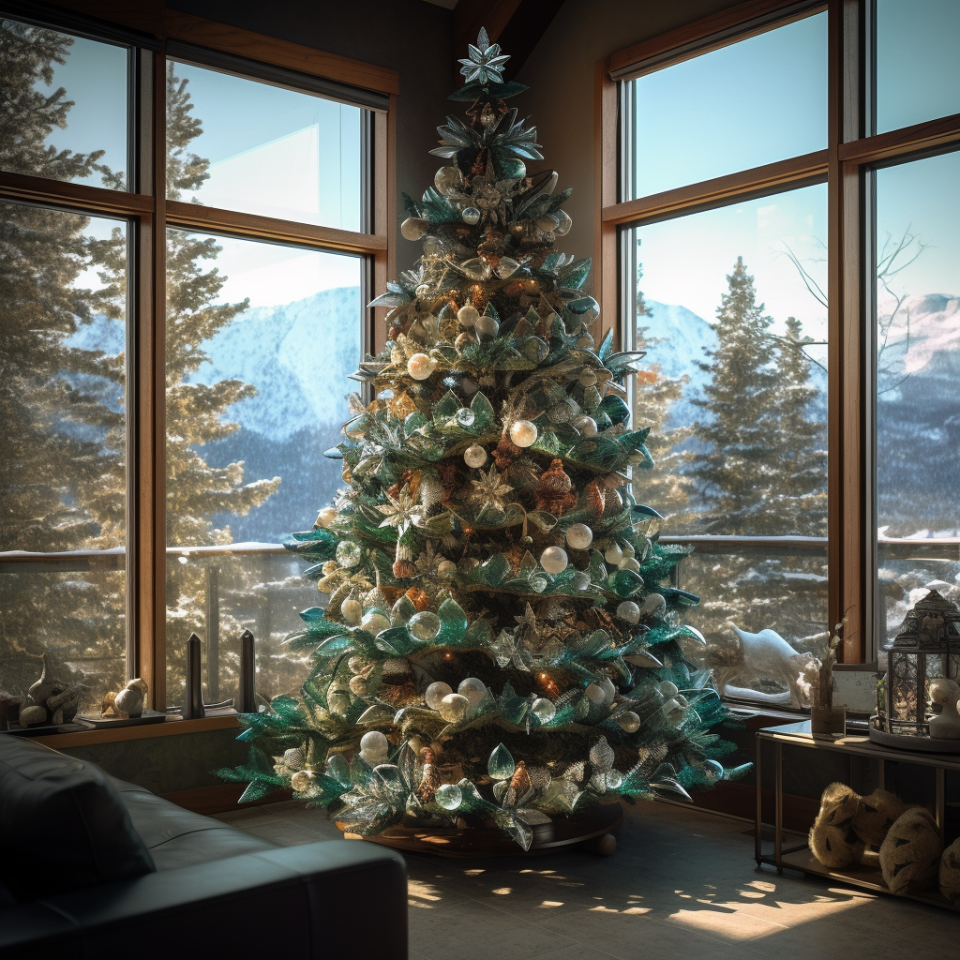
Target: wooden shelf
172,726
800,857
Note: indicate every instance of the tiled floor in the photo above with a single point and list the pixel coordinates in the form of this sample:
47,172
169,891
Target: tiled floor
682,886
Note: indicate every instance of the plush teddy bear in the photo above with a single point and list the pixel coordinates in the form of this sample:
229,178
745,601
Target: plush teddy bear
832,838
910,854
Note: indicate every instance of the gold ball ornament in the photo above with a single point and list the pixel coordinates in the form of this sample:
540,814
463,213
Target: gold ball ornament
523,433
420,366
326,516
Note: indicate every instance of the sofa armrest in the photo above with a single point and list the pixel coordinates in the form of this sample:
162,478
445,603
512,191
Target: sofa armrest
331,899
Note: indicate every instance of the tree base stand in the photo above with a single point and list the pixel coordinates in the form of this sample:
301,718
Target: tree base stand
592,831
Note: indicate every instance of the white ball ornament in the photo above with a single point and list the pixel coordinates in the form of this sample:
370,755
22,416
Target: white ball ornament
554,559
587,377
629,611
326,516
613,554
468,315
420,366
473,689
453,707
474,456
446,568
435,693
486,326
523,433
586,425
375,621
351,610
629,721
579,536
471,215
375,743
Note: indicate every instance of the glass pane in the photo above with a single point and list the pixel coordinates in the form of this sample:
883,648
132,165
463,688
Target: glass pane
260,340
918,71
62,430
753,102
731,309
246,587
918,362
244,145
64,106
756,590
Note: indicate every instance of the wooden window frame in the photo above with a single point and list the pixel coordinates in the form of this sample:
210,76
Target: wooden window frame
149,214
844,166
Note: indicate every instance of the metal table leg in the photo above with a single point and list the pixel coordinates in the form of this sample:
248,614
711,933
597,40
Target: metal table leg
778,805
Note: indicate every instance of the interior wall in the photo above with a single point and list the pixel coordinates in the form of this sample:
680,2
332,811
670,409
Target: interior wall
409,36
560,73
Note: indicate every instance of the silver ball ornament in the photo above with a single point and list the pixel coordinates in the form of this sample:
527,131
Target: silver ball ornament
471,215
629,611
468,315
579,536
487,326
554,559
435,693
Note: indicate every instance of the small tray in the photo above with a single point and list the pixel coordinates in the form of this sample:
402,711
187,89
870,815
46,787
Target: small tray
148,716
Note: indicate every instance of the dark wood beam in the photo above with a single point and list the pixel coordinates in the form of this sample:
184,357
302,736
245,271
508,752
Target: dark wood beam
517,25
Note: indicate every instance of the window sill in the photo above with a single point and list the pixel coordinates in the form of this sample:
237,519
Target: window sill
172,726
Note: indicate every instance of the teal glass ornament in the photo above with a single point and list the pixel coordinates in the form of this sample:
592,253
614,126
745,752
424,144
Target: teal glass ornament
449,796
501,765
424,626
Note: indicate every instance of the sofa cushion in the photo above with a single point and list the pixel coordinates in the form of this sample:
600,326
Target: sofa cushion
177,837
63,825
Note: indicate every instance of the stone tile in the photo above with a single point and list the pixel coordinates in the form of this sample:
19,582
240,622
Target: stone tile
682,885
474,931
629,935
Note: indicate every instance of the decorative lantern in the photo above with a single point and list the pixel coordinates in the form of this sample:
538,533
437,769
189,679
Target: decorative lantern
926,648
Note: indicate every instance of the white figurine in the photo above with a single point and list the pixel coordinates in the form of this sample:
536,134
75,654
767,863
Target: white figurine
946,724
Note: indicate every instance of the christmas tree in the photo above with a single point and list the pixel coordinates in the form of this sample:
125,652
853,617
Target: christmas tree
499,642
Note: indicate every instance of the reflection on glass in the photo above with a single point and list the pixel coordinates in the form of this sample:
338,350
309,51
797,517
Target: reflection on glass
64,106
262,149
906,572
758,590
62,430
917,69
918,363
753,102
260,340
250,590
736,389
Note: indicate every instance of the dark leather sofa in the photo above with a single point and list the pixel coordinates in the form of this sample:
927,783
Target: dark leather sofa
105,868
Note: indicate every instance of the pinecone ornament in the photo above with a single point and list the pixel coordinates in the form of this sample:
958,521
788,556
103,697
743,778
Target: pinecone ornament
554,491
596,497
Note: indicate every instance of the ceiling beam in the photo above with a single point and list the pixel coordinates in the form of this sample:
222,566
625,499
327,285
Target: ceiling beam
517,25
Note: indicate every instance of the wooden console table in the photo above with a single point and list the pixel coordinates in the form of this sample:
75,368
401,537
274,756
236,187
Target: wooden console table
799,857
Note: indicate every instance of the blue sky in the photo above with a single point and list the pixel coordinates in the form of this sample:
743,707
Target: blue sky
764,99
746,104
